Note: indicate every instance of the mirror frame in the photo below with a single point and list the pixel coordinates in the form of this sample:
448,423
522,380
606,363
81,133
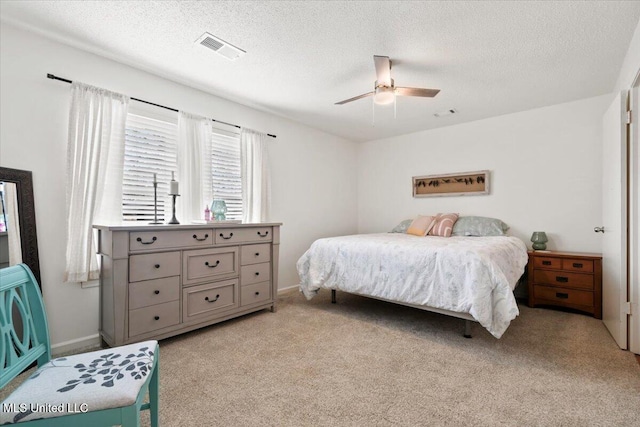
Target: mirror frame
28,236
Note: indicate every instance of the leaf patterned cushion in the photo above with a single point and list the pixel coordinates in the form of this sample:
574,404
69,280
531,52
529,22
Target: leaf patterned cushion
101,379
479,226
402,227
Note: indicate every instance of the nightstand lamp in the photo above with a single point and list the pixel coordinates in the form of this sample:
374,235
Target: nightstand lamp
539,239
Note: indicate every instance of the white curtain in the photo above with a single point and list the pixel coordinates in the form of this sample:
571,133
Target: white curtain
95,161
255,176
194,151
13,226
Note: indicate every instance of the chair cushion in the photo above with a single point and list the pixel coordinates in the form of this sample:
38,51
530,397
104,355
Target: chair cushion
88,382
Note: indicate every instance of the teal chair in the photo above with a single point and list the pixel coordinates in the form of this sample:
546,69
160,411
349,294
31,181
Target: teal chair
101,388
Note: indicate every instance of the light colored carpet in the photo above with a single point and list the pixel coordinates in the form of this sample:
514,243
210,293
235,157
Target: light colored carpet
364,362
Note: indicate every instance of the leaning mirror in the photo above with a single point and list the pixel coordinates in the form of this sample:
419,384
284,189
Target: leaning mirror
18,238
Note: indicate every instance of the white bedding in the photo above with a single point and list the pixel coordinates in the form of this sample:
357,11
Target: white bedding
474,275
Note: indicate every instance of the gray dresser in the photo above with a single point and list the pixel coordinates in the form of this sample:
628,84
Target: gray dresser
157,281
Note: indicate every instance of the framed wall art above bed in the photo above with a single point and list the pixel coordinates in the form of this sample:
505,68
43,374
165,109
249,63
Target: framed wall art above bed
453,184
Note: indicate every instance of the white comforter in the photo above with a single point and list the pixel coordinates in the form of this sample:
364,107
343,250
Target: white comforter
474,275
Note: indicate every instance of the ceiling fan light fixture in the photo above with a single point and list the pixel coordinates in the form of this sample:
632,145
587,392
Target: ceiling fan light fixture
384,95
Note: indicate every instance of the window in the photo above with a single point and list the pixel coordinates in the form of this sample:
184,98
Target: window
226,181
151,147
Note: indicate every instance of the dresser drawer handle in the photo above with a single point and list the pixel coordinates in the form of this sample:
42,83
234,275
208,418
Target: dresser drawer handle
226,238
156,317
212,266
257,273
212,300
206,236
562,295
263,235
153,239
157,266
157,292
562,279
577,265
546,262
257,253
257,293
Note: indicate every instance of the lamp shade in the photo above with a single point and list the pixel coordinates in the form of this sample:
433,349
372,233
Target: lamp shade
384,95
219,209
539,239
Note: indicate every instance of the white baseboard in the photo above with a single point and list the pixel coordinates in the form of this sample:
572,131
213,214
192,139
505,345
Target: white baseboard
287,289
89,342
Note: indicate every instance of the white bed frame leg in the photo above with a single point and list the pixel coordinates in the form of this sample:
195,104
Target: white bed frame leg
333,296
467,328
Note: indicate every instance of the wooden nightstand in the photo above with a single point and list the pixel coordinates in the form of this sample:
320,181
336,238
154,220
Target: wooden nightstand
566,279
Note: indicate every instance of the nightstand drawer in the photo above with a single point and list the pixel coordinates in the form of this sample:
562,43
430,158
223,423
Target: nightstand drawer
578,265
563,279
563,296
547,262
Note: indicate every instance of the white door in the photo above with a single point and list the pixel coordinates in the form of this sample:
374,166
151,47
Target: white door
614,220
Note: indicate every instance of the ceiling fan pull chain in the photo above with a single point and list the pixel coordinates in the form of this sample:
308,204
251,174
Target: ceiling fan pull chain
373,112
395,104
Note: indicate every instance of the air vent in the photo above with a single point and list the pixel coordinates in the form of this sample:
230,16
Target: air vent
446,112
220,46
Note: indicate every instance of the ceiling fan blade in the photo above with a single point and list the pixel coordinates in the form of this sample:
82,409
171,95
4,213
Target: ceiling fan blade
364,95
383,70
416,91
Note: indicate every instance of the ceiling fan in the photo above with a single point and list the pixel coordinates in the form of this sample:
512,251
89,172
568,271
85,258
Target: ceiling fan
384,90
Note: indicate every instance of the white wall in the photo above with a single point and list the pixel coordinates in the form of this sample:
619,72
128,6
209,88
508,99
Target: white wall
545,173
313,174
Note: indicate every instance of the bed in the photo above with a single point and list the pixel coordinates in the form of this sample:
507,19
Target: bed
467,277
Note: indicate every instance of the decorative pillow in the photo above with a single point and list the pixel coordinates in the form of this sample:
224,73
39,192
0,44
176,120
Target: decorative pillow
402,227
479,226
421,225
443,224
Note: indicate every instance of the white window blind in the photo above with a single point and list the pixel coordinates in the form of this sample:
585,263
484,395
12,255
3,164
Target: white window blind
226,182
150,147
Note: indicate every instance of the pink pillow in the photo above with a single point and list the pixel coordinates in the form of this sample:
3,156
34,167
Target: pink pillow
421,225
443,225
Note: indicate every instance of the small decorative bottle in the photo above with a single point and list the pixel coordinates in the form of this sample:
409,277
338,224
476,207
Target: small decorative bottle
207,213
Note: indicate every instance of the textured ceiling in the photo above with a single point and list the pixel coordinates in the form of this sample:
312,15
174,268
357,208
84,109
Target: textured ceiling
488,58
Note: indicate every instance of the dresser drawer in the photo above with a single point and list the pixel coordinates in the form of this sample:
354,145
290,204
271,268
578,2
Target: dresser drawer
151,292
255,273
154,266
154,317
563,296
577,265
209,299
255,254
152,240
206,265
563,279
547,262
233,235
252,294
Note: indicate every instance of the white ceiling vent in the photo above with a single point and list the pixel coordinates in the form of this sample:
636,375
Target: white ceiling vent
220,46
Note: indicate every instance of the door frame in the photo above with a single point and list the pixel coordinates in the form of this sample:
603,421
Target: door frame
633,215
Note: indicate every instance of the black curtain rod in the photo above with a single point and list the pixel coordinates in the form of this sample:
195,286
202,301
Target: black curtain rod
51,76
